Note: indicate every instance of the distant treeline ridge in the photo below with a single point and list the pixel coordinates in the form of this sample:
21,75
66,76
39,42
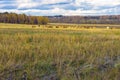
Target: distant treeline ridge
106,19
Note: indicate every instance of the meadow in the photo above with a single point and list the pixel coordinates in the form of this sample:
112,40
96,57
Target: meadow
52,53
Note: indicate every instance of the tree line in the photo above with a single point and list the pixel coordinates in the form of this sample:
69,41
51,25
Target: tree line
22,19
40,20
106,19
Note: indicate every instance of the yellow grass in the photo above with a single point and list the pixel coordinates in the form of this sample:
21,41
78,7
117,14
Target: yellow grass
70,53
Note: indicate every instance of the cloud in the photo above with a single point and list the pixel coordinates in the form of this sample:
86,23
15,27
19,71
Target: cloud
63,7
26,4
37,3
7,4
59,11
98,2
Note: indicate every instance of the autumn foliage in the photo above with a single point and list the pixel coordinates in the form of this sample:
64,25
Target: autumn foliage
22,19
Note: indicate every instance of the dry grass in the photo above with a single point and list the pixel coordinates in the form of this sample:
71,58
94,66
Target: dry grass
86,54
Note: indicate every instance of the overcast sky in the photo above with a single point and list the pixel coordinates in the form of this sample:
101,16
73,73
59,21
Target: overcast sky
61,7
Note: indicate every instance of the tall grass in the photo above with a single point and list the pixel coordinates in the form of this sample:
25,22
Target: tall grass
70,54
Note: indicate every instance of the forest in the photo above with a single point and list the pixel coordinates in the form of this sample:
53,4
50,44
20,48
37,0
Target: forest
22,19
105,19
25,19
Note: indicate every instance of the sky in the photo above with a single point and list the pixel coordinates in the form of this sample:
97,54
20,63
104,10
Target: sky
61,7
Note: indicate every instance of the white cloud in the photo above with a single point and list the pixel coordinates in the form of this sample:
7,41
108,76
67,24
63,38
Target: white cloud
7,3
57,11
53,1
105,2
98,2
33,3
26,4
32,7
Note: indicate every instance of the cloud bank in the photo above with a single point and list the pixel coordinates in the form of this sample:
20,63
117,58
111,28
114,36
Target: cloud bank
61,7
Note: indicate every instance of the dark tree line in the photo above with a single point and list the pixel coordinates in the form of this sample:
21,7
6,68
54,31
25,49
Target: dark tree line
22,19
107,19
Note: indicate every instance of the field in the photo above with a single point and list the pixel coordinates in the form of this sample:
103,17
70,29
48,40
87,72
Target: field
52,53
